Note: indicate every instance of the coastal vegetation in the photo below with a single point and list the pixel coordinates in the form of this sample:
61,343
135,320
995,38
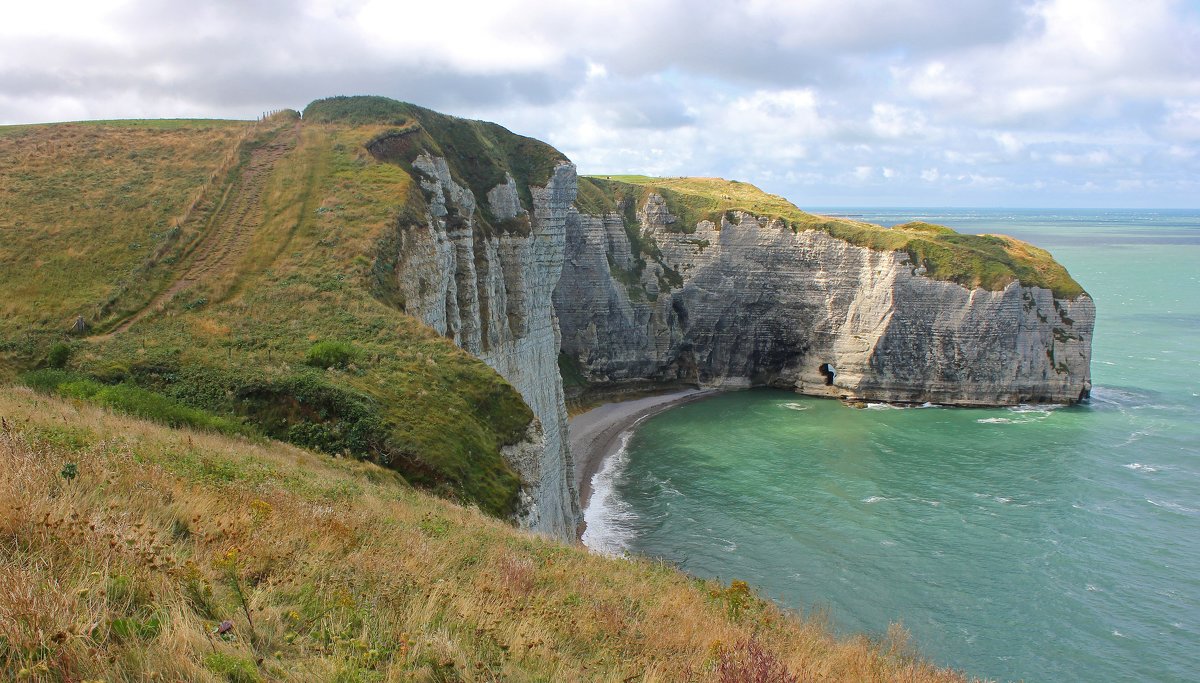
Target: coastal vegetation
287,330
987,261
129,550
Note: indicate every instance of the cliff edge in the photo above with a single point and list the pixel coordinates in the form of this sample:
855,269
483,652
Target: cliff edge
716,283
476,255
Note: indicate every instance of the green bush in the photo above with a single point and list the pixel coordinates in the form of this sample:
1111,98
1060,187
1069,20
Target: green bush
331,354
234,669
59,354
357,110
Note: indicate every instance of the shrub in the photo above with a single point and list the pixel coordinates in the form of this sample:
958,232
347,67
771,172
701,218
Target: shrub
750,662
331,354
59,354
234,669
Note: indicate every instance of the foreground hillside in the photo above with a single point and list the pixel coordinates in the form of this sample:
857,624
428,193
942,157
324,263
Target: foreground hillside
125,545
238,276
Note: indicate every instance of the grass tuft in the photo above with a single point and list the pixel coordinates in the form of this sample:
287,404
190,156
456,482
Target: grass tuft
331,354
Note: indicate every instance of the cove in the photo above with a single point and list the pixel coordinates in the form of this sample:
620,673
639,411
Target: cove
1036,542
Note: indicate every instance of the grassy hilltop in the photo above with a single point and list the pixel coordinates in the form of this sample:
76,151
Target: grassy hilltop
988,261
237,276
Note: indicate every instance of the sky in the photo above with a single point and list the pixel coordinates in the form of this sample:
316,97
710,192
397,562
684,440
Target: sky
1044,103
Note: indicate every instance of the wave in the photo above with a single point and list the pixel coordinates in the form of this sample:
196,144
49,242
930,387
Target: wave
873,499
1168,505
1023,414
609,519
1040,408
1120,399
1133,437
792,405
1139,467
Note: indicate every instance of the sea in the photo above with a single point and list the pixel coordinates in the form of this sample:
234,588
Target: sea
1036,543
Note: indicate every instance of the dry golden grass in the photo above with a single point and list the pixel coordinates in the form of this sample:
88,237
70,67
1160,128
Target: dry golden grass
125,571
82,205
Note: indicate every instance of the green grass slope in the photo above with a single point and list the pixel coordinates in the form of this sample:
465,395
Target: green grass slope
84,206
987,261
256,243
124,545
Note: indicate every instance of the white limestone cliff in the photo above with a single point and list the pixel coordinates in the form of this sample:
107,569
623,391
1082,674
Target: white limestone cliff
490,292
754,303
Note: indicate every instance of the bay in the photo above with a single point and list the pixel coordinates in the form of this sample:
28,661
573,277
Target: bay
1035,543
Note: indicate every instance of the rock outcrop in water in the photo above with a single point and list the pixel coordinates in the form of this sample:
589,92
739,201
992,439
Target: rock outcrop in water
752,300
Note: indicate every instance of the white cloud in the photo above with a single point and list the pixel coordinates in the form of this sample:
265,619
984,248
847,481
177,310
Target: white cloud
1076,57
903,101
1182,121
891,121
1097,157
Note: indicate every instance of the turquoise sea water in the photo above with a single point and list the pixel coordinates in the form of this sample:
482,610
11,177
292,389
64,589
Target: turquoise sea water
1036,543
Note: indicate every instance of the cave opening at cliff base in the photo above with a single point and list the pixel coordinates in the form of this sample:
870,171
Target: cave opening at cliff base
830,373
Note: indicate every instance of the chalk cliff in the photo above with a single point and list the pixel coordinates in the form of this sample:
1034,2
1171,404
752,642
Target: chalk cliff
490,291
502,249
757,300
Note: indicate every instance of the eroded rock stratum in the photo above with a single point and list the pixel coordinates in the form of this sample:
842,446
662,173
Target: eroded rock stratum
752,300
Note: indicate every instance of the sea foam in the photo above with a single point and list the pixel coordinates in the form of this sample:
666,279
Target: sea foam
608,518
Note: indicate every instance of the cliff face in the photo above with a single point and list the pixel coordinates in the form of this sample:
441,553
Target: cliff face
490,291
757,301
708,282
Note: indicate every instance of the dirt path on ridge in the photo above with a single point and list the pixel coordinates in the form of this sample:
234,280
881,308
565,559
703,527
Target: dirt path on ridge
226,241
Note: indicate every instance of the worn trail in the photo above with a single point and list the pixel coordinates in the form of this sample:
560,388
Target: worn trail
238,217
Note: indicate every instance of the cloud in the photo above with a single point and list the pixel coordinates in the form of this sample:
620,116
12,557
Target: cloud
1182,121
1099,157
863,101
1076,60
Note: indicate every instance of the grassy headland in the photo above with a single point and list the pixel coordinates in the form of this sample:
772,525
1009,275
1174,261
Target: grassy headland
283,252
987,261
124,545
